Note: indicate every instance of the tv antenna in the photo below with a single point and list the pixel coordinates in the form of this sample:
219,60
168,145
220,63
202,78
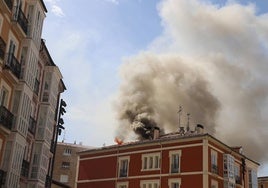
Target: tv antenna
179,112
188,122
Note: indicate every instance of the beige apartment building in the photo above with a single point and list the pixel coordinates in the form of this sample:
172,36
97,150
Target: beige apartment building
65,167
30,88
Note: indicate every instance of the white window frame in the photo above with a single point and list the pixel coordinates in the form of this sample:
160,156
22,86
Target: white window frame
174,180
122,184
120,159
171,154
214,161
149,183
214,184
151,161
67,151
64,178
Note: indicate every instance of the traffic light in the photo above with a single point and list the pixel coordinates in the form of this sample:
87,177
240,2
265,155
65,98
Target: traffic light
62,107
62,111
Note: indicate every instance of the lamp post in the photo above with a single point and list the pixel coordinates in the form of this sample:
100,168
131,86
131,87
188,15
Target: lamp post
59,128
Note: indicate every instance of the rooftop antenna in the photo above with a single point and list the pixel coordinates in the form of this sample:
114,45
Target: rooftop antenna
63,139
188,122
179,112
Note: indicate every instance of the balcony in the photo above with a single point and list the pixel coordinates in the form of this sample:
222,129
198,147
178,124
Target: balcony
2,48
36,86
174,168
12,64
25,168
214,169
21,19
9,4
123,173
238,180
6,117
2,177
32,125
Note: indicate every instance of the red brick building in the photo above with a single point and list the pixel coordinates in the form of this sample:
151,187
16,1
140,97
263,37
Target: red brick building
174,160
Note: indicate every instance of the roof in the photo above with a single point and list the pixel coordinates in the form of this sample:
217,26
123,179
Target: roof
44,6
165,138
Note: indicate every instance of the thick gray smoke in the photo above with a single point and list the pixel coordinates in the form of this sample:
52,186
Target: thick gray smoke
212,60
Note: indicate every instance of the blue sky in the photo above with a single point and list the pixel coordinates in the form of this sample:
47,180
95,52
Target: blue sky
91,40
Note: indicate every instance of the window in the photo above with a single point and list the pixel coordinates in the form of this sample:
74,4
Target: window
64,178
174,183
237,174
228,166
174,160
253,182
67,151
4,96
123,166
122,185
229,184
151,161
214,161
65,164
149,184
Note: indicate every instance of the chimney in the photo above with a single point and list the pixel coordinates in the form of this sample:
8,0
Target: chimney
156,133
199,129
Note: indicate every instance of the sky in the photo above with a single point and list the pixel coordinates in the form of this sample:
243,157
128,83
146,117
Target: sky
107,49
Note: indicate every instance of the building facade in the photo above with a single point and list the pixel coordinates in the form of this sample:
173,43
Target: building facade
169,161
30,88
263,182
65,167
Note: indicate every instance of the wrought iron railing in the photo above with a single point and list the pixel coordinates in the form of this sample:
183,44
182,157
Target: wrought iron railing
36,86
214,169
21,19
174,168
6,117
13,64
2,177
25,168
238,180
123,173
32,125
2,48
9,4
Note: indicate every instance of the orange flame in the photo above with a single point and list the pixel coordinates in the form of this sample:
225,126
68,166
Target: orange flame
118,141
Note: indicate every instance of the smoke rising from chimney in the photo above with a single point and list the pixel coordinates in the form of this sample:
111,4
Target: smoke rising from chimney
212,60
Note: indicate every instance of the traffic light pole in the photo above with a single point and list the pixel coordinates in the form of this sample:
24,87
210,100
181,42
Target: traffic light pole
59,127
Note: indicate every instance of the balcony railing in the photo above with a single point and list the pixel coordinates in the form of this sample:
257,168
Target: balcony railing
32,125
238,180
2,48
36,86
6,117
123,173
25,168
214,169
9,4
13,64
174,168
2,177
21,19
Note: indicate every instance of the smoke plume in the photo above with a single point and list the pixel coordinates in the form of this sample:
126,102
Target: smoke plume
210,59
